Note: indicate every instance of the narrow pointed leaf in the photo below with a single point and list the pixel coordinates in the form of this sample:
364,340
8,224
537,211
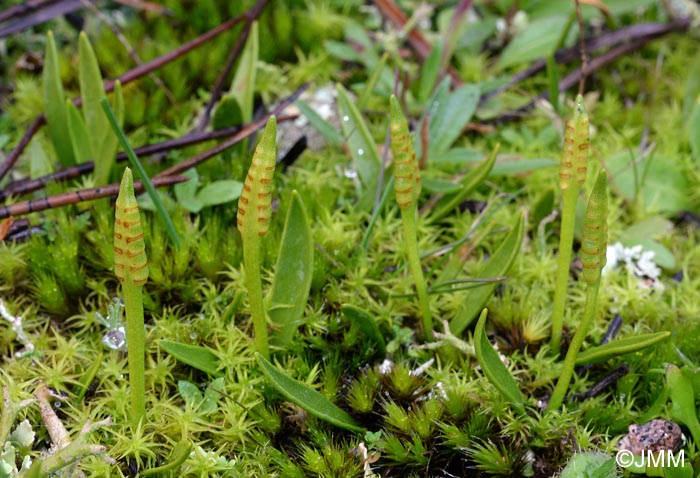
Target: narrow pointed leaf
78,134
362,146
326,129
307,398
619,347
493,367
293,274
55,106
92,91
243,85
180,452
201,358
110,141
368,326
470,181
497,266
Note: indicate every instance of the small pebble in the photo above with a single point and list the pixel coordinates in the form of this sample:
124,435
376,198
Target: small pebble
653,436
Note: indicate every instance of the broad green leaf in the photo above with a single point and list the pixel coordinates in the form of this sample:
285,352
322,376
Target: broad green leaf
493,367
79,135
590,465
92,92
201,358
680,390
660,180
190,393
368,326
470,181
497,266
429,73
447,115
186,193
326,129
458,156
220,192
180,452
307,398
363,149
645,232
439,185
627,345
538,40
243,85
55,106
39,163
292,282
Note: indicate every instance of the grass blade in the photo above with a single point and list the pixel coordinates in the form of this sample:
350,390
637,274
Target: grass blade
170,227
619,347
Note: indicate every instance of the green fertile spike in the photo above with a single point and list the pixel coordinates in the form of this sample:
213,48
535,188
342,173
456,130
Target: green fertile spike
255,203
130,262
595,231
574,161
406,173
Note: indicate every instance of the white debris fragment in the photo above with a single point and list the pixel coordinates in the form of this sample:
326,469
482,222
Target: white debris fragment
421,370
17,328
386,367
636,260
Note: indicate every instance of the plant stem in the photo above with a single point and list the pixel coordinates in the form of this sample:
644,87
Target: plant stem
136,340
410,236
251,261
570,361
566,239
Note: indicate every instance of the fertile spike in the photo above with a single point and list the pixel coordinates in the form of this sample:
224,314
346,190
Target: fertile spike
130,262
255,203
574,161
406,173
595,231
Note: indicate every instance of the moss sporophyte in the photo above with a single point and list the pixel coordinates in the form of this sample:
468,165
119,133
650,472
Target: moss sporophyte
131,268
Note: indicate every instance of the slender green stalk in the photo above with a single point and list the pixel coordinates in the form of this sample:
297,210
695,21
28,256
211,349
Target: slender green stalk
131,268
254,212
593,249
136,164
572,175
407,191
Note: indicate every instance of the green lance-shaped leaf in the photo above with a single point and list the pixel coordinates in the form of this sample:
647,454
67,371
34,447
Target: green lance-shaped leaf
682,400
368,326
406,172
92,91
497,266
243,85
254,212
627,345
55,106
293,274
201,358
493,367
574,161
79,136
106,157
130,262
595,232
307,398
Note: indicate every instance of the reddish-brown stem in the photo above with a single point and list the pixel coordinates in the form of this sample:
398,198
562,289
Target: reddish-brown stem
73,197
21,187
253,15
240,136
127,77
